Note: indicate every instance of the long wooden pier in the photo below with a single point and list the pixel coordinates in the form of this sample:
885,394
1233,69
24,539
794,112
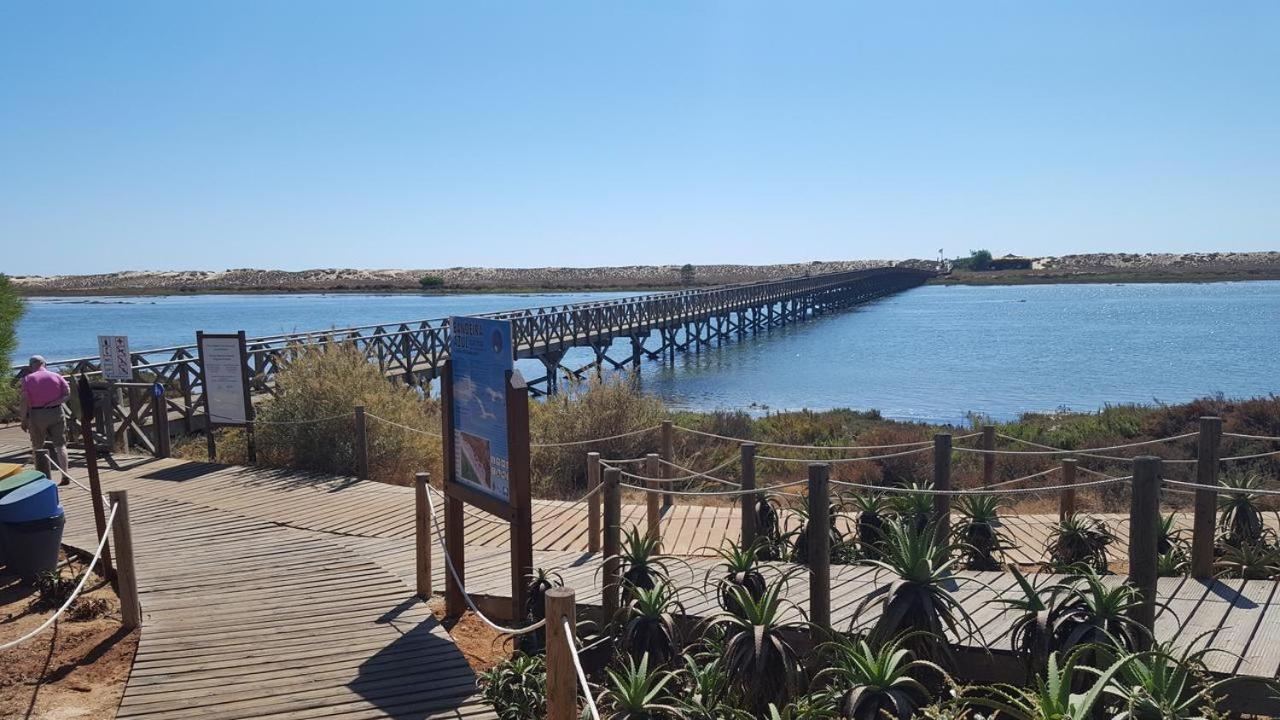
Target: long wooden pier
619,333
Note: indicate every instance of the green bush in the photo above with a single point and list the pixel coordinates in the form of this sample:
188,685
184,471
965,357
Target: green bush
11,310
431,282
590,409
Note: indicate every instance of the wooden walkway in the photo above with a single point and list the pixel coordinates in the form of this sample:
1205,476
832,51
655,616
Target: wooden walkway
280,594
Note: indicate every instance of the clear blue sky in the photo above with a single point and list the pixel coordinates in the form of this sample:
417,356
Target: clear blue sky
307,134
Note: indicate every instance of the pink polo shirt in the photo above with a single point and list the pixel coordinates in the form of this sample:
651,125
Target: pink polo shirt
44,388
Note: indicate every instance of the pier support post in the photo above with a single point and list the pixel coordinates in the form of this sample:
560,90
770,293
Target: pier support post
668,453
562,680
819,546
160,421
749,500
652,468
126,578
1144,539
1207,459
612,580
942,481
1067,498
988,457
422,534
593,502
361,442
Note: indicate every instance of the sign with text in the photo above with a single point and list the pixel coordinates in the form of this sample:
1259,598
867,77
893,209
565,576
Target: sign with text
226,392
117,363
480,360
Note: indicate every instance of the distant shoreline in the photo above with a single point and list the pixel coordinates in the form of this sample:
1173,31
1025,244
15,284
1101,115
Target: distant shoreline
1069,269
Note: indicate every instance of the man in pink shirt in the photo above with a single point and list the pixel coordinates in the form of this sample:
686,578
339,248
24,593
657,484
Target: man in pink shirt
43,393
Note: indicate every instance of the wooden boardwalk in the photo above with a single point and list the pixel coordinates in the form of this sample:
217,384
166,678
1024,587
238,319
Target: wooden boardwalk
282,594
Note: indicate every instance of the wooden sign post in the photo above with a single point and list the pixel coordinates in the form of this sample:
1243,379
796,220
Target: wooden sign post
224,377
485,423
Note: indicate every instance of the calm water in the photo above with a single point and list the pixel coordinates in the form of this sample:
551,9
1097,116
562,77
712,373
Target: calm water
934,353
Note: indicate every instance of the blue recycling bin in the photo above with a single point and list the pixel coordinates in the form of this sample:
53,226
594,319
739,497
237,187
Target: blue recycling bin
32,521
8,485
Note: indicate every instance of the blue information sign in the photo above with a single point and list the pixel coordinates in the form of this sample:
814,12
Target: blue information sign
480,357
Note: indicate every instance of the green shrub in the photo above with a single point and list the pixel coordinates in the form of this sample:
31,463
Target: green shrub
590,409
431,282
11,310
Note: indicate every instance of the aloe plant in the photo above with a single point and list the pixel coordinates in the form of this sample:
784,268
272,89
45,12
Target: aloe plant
1090,614
706,692
516,688
813,706
914,509
1030,633
738,567
919,601
799,538
874,513
1250,561
635,691
978,531
1051,696
649,628
762,664
1239,516
1166,684
642,564
1079,541
875,682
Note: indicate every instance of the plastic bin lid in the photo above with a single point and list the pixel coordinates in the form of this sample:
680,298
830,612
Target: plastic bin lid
17,480
36,500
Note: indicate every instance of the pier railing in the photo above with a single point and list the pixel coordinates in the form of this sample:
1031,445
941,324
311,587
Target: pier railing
416,350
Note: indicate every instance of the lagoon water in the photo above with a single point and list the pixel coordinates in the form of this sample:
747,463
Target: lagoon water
934,353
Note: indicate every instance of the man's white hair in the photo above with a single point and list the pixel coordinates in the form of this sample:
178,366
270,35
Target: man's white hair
36,362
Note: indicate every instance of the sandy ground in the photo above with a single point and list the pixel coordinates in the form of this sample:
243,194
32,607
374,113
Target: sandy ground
74,669
479,643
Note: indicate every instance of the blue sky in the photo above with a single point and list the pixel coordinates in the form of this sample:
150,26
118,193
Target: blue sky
307,134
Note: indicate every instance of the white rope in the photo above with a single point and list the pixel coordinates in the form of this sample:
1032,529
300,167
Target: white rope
1233,458
402,427
710,493
978,491
763,443
1272,438
836,461
571,443
102,542
1025,477
1082,451
471,513
53,464
1222,488
694,475
1084,469
255,421
577,666
444,550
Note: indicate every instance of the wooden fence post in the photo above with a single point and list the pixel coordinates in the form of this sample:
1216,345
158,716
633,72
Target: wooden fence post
160,421
593,502
988,457
749,500
668,453
361,441
612,579
819,546
652,468
42,462
422,533
1207,458
1067,498
562,679
126,578
942,481
1144,540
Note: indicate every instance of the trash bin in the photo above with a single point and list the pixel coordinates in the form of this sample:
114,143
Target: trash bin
31,521
8,485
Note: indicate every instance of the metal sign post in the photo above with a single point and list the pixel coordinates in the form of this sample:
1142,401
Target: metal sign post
224,379
485,421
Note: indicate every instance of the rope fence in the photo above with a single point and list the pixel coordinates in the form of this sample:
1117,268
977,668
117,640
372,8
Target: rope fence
84,577
577,667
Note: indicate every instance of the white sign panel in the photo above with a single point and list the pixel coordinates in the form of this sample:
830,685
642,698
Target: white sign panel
224,390
114,353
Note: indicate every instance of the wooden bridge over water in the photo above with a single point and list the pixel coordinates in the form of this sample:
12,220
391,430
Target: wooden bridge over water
619,333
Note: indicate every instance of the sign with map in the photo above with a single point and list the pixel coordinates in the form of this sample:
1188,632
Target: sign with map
481,360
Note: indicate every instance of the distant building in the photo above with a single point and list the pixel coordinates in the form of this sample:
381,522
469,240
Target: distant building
1010,262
